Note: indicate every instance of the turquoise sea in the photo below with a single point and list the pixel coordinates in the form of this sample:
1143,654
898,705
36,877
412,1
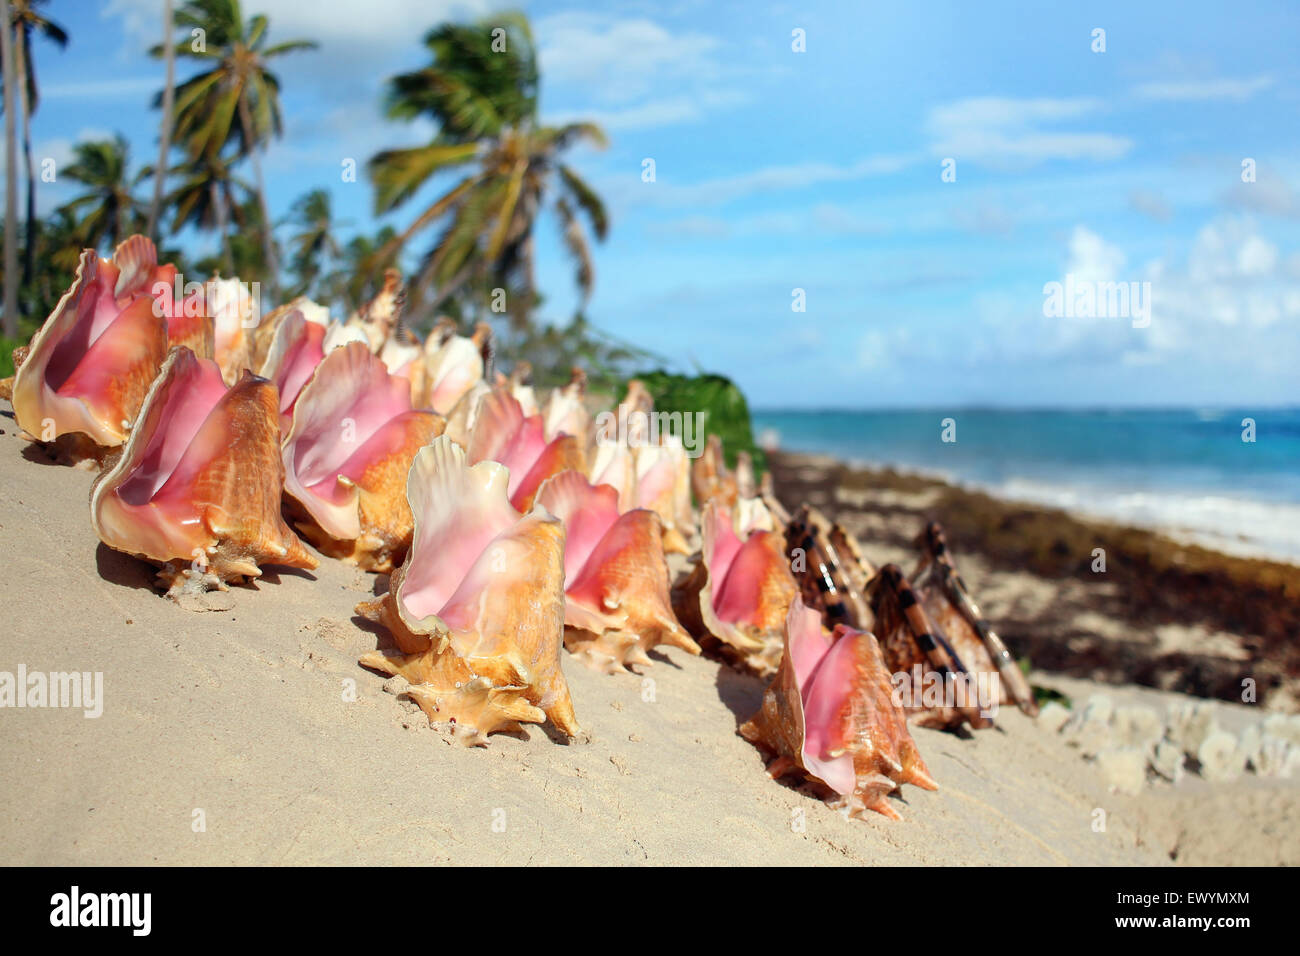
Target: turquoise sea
1184,471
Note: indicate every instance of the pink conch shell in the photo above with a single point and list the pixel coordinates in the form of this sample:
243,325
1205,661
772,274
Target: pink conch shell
264,335
188,322
565,410
464,414
616,578
89,366
346,458
663,484
477,607
234,308
296,349
454,364
504,434
197,486
710,477
613,464
741,587
830,712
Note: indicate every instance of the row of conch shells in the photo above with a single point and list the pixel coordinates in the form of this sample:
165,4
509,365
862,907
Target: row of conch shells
510,525
617,605
647,466
501,431
477,608
196,489
830,714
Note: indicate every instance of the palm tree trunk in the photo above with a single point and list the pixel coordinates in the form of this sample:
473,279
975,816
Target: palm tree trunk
268,243
20,69
165,136
11,181
219,205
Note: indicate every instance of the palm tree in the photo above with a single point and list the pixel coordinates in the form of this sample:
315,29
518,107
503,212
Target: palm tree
358,274
484,100
207,198
314,247
108,211
27,19
168,103
11,181
238,98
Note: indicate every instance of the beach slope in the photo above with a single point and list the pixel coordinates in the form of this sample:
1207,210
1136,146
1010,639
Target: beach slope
250,736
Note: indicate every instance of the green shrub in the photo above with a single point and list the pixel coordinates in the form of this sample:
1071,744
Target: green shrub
726,413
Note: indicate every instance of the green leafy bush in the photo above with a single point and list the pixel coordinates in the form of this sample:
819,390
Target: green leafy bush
726,413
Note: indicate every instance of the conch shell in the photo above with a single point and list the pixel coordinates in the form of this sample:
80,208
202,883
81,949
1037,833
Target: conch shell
502,433
235,317
663,484
296,348
741,588
346,458
913,646
379,318
647,469
565,409
454,364
477,607
950,606
197,487
830,713
710,477
616,578
89,366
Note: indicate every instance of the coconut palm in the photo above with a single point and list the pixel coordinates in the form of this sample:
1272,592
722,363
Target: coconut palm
481,90
108,211
313,247
28,20
358,274
168,105
208,197
236,98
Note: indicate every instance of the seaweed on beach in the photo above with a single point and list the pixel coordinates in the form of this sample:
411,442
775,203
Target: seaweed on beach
1152,580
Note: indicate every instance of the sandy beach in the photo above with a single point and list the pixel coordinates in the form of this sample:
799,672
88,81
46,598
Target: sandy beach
248,734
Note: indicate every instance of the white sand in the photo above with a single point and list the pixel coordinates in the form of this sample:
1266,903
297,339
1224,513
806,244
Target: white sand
241,714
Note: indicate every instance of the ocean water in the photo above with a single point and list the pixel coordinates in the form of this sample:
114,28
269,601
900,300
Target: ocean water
1184,471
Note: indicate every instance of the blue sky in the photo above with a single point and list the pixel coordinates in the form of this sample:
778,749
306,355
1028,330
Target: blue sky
779,170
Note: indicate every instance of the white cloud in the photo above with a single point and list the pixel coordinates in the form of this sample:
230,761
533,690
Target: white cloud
621,59
344,31
1092,258
1187,91
1005,130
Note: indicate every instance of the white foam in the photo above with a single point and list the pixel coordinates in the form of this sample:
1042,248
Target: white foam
1239,526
